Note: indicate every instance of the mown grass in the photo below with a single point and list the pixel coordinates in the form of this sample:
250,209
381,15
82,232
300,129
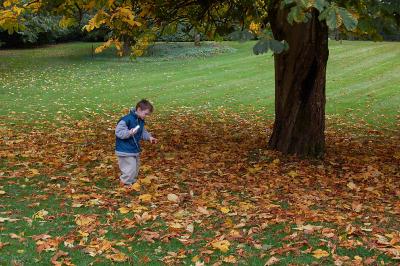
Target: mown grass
362,81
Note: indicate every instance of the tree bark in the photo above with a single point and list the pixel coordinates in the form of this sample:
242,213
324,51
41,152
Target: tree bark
126,47
300,78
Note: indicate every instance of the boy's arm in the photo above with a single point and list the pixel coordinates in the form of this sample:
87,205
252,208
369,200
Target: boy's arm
146,135
122,131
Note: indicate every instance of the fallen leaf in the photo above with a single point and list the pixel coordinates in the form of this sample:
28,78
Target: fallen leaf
40,214
145,197
173,197
56,256
3,244
230,259
84,220
124,210
319,253
2,220
118,257
136,186
272,261
222,245
224,209
352,186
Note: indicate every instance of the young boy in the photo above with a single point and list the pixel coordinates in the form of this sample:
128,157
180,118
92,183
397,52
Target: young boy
129,131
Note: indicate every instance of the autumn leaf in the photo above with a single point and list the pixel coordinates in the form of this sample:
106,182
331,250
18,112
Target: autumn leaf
124,210
40,214
271,261
173,198
356,206
2,220
225,209
3,244
118,257
145,198
352,186
319,253
84,220
190,228
2,192
56,256
230,259
203,210
222,245
136,186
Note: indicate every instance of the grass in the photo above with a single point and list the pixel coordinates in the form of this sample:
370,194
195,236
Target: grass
56,82
362,81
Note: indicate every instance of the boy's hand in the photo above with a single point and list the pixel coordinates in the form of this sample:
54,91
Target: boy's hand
133,131
153,140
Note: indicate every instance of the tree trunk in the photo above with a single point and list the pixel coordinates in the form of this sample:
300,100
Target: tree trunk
300,77
126,47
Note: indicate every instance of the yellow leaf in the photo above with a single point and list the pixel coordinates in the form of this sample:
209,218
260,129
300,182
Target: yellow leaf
136,186
7,3
66,22
224,209
145,197
2,192
124,210
319,253
83,220
34,172
351,185
147,180
222,245
293,174
195,258
40,214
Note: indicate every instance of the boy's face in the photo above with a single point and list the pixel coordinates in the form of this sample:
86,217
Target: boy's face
142,113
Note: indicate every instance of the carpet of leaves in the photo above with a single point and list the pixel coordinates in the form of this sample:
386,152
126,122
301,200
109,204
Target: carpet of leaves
210,173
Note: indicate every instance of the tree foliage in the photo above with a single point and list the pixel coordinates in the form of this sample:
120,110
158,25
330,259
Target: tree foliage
135,24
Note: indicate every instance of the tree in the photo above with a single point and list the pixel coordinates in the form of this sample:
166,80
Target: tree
295,30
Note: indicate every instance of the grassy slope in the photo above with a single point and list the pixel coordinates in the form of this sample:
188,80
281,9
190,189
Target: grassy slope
362,82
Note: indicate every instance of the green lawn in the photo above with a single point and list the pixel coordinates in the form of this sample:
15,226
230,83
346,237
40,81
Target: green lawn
362,81
60,198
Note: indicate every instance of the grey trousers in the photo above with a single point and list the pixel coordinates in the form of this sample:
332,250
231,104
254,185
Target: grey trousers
129,166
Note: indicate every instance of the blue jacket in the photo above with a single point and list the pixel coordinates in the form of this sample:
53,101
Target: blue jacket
124,142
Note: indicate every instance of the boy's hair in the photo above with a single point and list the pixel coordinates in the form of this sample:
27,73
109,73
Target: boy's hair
145,105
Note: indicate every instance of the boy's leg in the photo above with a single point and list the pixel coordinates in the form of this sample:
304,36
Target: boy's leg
137,166
127,165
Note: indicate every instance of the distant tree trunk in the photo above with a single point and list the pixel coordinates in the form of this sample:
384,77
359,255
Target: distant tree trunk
126,47
300,78
197,39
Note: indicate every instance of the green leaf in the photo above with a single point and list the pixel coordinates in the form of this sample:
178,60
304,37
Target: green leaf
349,21
276,46
329,15
286,2
263,45
241,35
320,5
296,14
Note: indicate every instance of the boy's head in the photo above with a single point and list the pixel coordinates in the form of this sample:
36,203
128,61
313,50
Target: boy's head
144,108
